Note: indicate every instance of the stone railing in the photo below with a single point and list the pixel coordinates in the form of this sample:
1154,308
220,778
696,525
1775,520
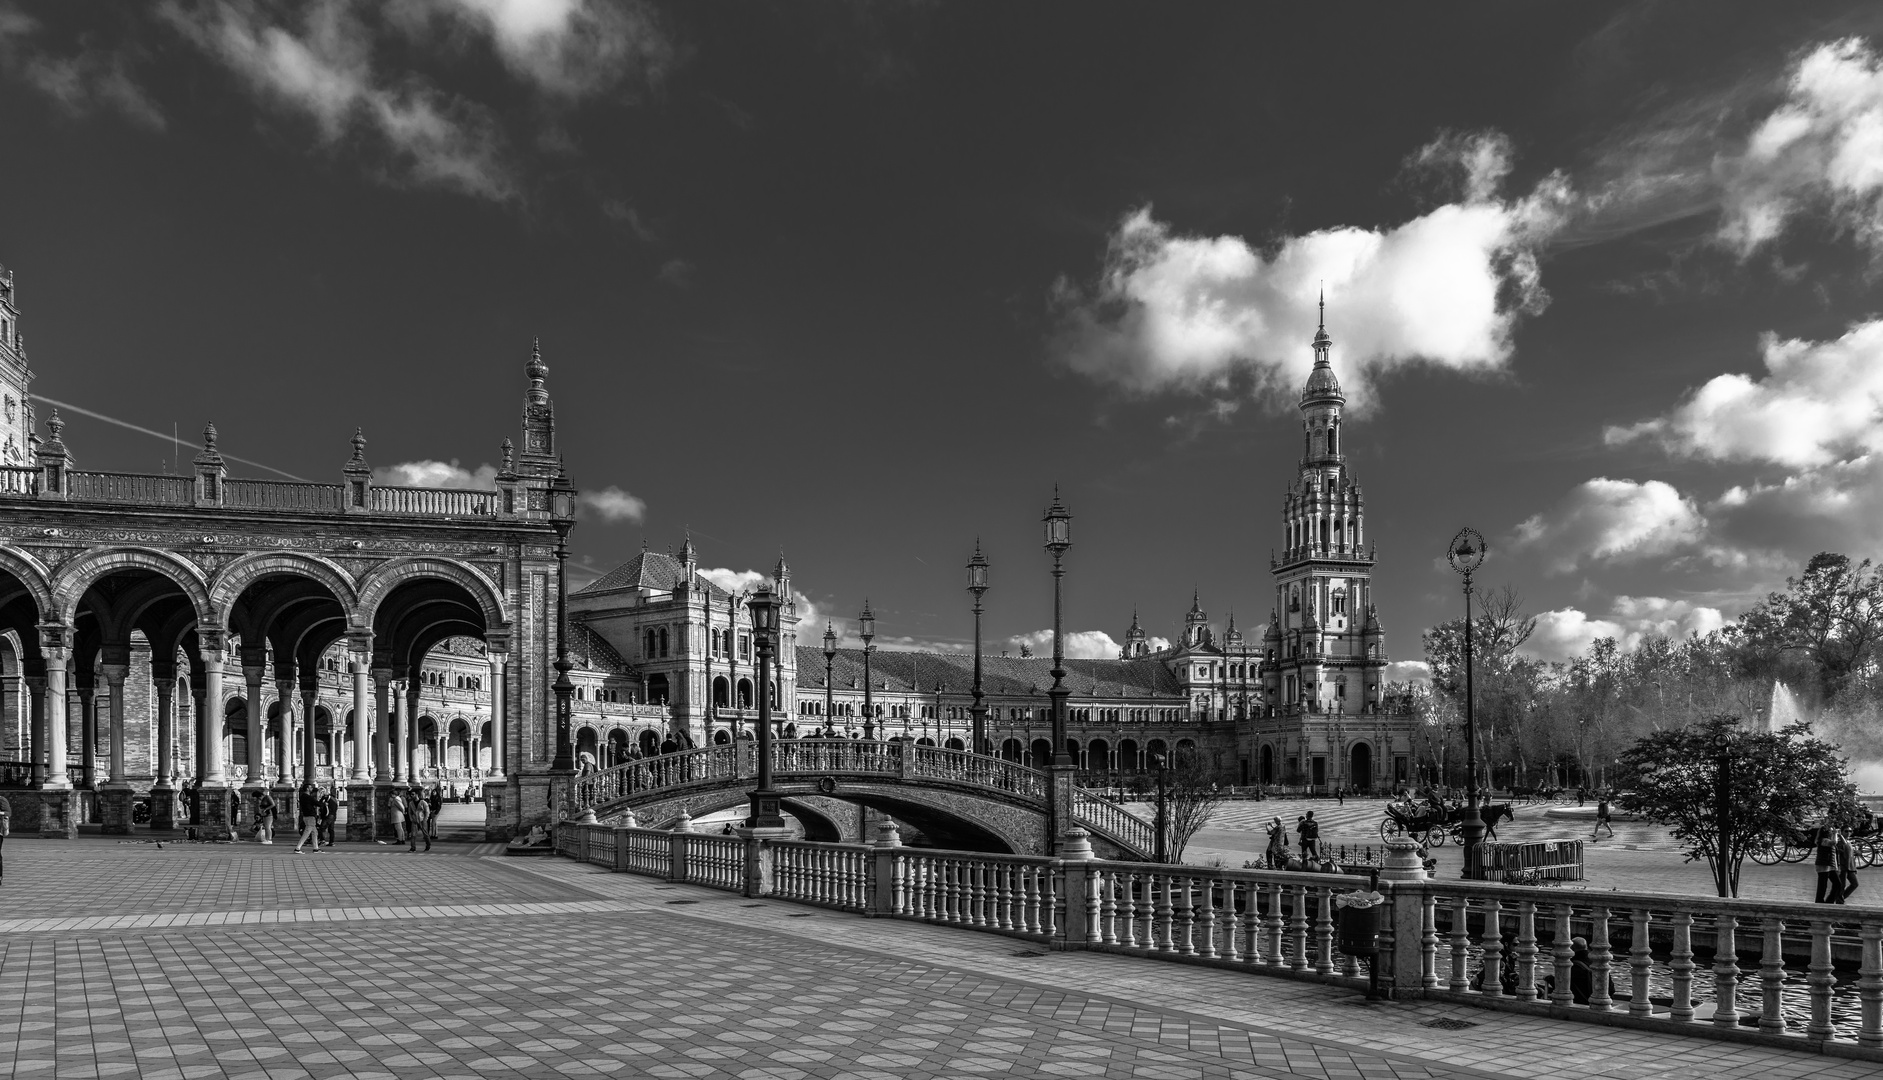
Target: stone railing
1803,975
283,495
19,480
932,762
434,502
286,495
132,488
1114,821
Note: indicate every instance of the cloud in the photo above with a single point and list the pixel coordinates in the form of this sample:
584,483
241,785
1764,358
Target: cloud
321,67
570,48
1191,313
677,272
1408,671
1604,520
1080,644
90,80
612,504
1567,633
1820,149
1819,403
437,474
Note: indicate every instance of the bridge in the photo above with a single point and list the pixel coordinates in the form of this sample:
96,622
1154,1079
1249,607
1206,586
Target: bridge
957,799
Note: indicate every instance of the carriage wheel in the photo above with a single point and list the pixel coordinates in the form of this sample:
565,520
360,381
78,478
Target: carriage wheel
1790,852
1391,830
1434,837
1766,851
1865,853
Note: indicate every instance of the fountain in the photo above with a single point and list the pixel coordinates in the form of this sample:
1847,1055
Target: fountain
1783,711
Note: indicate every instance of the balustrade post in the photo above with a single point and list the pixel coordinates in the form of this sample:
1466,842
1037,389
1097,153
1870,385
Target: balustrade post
1491,973
1600,959
1870,987
1406,912
758,866
883,869
1726,971
1772,976
1460,943
1822,978
1640,963
1681,965
1565,955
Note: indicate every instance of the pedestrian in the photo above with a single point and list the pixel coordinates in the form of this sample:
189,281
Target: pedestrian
1846,868
421,810
265,816
1602,819
323,815
437,808
196,800
395,809
310,819
6,826
1277,845
1340,795
1830,879
1310,831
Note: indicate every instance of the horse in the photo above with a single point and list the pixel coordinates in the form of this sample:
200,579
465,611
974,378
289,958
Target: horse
1489,813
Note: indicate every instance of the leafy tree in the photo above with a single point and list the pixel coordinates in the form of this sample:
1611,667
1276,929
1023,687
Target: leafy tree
1831,617
1779,782
1191,794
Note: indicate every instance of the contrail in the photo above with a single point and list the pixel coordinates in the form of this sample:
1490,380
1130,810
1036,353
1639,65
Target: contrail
170,438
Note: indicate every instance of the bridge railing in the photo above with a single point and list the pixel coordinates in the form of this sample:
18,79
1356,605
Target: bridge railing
1780,973
937,763
1114,820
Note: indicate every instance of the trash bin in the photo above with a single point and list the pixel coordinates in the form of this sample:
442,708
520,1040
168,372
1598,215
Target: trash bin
1361,919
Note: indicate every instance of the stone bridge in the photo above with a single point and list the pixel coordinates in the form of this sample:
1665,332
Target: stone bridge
957,799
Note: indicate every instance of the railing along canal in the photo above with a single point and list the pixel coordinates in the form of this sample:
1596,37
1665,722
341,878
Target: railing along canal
1783,973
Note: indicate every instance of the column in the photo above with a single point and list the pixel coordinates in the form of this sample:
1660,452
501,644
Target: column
163,803
209,718
382,736
284,742
362,733
498,739
56,778
87,729
411,730
36,704
310,695
254,673
114,798
396,747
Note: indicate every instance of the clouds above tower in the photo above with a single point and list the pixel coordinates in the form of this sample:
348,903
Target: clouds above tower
1173,312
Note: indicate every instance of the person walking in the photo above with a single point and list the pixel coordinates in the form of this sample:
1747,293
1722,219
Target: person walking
6,827
310,818
1277,845
1846,863
323,815
437,807
421,811
1830,879
1310,831
395,809
1602,819
265,816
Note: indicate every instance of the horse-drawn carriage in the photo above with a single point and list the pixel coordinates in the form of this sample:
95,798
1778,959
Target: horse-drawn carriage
1432,822
1797,845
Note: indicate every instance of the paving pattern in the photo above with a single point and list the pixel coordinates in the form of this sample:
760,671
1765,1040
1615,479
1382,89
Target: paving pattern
240,960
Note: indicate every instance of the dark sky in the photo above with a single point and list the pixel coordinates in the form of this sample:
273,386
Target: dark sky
864,281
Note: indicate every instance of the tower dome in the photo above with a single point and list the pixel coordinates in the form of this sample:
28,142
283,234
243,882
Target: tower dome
1322,385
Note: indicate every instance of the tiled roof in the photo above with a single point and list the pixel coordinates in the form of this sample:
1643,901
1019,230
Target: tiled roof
591,651
1001,676
649,570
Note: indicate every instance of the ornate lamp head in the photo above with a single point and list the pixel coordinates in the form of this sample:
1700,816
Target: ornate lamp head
1058,526
1467,551
977,572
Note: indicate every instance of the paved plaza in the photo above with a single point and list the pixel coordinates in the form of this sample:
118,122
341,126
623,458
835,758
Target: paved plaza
202,960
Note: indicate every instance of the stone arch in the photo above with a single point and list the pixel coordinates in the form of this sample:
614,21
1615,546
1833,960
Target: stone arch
232,580
32,574
381,580
72,580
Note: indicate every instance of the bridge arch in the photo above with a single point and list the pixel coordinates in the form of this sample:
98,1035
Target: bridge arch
32,576
232,580
383,579
73,579
957,827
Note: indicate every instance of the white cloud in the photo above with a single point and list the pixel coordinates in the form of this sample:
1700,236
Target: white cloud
90,80
1603,520
613,504
1408,671
1080,644
1568,632
437,474
1837,508
1819,402
1171,311
570,48
1822,148
321,66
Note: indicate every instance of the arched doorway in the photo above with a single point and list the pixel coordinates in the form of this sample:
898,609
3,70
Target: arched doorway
1098,756
1012,750
1268,764
1360,775
1129,759
721,691
657,689
1042,754
745,693
649,742
585,743
617,746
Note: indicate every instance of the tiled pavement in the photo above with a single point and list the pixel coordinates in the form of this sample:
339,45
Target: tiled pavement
248,961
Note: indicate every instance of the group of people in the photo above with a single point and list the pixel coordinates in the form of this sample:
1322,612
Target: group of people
1837,865
1307,836
414,815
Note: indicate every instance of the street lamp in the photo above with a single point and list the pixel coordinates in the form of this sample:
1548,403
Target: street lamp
562,517
977,584
866,624
1058,538
764,801
830,656
1466,555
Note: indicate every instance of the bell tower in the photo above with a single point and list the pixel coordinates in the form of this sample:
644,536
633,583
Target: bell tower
16,411
1325,660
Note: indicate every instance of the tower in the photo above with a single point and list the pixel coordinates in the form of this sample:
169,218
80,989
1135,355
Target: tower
540,456
1136,643
1196,623
16,412
1328,660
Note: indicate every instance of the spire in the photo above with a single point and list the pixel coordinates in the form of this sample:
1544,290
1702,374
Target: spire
537,370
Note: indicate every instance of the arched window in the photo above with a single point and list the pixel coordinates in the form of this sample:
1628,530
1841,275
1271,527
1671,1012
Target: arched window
745,693
721,691
1331,443
663,641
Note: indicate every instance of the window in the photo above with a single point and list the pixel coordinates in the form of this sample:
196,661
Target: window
745,646
663,641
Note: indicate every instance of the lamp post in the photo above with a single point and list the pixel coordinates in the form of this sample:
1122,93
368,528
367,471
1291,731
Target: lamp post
1058,522
1163,815
1466,555
977,584
562,516
830,656
763,606
866,624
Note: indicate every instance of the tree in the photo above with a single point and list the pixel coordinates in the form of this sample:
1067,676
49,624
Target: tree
1191,795
1831,616
1776,783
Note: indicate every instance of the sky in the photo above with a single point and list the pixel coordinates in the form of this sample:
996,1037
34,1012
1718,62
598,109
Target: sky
862,283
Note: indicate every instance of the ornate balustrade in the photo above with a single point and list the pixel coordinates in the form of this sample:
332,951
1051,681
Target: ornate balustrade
19,480
931,762
434,502
283,495
1114,821
132,488
288,495
1809,975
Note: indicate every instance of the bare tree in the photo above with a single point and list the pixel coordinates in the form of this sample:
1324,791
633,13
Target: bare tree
1191,795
